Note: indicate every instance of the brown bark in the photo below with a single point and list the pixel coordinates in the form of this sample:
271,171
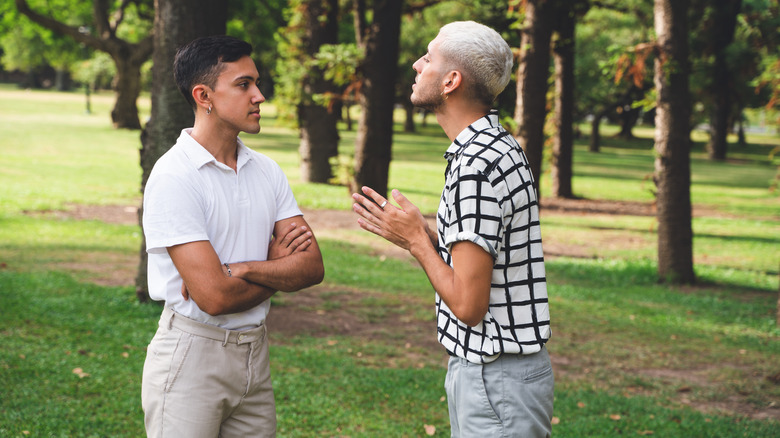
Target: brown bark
561,168
725,21
176,23
532,73
374,140
672,143
318,129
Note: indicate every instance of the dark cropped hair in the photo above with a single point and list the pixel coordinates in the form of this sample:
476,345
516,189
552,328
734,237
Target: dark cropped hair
200,61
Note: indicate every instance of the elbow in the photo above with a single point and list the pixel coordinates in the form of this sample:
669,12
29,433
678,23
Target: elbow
313,277
318,275
214,306
471,316
212,309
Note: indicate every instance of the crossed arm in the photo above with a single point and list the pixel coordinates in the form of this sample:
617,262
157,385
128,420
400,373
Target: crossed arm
294,262
464,287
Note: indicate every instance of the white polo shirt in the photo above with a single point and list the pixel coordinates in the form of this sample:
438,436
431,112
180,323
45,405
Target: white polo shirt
190,197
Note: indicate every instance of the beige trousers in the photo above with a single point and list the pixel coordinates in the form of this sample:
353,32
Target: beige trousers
203,381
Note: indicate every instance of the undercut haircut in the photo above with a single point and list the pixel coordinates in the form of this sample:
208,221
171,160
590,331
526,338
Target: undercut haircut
202,60
481,55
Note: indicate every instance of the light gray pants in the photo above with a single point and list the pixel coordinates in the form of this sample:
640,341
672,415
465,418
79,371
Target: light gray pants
510,397
203,381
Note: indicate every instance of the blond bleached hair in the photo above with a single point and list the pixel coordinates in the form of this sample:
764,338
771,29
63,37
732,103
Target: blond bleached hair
481,55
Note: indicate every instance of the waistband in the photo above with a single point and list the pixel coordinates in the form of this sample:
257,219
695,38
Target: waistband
171,319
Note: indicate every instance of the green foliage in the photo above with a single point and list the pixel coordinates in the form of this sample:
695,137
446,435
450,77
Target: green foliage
97,72
632,356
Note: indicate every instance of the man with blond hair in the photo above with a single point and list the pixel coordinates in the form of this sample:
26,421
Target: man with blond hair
485,258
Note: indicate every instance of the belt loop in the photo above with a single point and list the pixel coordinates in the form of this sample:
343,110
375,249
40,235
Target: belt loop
170,319
227,335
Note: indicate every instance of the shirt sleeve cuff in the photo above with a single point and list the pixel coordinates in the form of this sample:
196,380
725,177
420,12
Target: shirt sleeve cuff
469,236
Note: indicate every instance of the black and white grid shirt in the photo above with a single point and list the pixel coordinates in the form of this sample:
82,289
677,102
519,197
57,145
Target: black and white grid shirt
489,199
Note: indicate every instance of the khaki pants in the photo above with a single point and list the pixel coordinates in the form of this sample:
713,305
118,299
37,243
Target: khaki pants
203,381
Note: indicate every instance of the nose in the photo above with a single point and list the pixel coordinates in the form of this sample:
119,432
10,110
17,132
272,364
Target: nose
416,65
258,97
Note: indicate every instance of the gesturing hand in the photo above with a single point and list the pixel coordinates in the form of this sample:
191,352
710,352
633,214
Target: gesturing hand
403,226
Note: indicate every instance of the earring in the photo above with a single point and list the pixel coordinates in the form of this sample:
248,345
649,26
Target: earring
208,111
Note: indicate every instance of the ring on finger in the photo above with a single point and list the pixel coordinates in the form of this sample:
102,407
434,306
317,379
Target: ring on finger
383,205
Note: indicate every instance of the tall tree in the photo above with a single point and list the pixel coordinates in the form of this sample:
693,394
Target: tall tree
317,121
720,29
378,40
127,56
176,23
672,143
532,73
561,168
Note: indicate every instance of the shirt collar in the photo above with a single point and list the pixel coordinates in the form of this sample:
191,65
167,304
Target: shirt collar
488,121
200,156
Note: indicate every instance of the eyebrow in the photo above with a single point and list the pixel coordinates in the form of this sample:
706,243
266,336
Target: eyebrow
247,78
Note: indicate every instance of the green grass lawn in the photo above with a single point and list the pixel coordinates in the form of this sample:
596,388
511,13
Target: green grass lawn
632,357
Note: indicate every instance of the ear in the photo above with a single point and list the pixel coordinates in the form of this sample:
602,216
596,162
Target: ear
202,96
452,81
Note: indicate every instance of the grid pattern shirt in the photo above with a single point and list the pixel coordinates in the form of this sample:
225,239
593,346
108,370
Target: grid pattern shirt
489,199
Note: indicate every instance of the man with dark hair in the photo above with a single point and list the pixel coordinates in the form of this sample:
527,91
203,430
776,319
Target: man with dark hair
224,233
485,259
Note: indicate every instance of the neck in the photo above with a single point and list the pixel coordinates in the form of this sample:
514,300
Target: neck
455,115
221,143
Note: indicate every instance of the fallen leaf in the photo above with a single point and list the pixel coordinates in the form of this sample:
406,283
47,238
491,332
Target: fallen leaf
79,372
443,398
580,404
555,420
332,342
125,354
429,429
646,432
684,389
615,417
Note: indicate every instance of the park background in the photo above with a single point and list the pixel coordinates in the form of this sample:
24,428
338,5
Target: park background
635,352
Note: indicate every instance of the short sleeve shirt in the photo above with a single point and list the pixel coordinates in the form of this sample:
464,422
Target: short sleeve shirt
190,197
489,199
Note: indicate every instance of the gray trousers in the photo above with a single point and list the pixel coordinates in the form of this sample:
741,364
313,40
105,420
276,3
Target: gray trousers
510,397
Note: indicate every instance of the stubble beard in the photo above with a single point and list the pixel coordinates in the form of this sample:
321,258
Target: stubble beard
431,100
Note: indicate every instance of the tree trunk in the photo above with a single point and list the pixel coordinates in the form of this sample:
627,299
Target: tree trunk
563,140
409,125
176,23
672,143
318,129
532,72
374,140
725,21
127,86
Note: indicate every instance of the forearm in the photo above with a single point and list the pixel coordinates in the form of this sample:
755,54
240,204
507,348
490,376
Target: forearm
466,294
287,274
239,295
